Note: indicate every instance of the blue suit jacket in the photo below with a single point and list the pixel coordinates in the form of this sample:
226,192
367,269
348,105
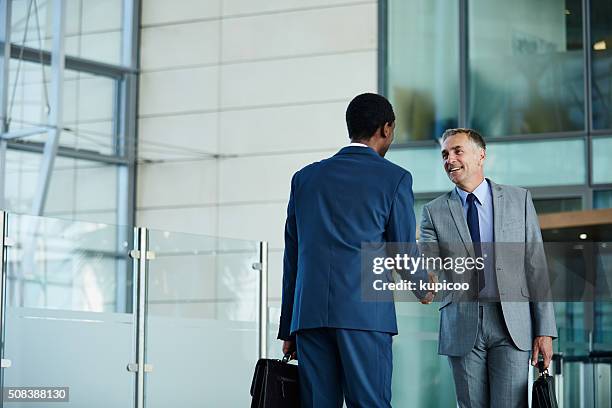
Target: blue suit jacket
336,204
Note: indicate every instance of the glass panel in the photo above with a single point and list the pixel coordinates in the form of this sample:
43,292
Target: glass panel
68,298
425,165
415,350
601,60
602,151
525,66
28,95
602,199
423,63
31,23
202,306
89,114
541,163
274,345
93,27
79,189
553,205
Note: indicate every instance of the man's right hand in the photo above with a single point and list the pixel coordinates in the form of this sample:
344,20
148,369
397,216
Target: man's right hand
289,348
429,297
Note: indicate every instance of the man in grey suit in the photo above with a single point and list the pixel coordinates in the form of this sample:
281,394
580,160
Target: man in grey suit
488,339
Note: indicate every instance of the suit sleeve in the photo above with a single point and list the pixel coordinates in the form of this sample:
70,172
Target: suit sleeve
536,270
401,227
290,262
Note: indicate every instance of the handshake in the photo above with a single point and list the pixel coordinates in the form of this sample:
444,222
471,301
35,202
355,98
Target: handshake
429,297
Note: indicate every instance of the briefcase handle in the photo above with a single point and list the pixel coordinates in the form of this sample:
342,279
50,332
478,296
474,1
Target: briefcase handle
287,358
543,371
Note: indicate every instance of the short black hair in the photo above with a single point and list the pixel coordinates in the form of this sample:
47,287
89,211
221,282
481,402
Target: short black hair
366,113
473,135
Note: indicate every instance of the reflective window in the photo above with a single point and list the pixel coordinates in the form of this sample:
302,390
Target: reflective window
423,63
602,199
602,151
89,106
93,27
78,190
425,165
601,60
553,205
537,163
525,66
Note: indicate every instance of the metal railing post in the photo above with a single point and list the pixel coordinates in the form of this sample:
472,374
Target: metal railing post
140,255
263,299
4,363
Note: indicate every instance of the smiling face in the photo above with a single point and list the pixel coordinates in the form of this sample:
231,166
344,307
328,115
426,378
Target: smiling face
463,161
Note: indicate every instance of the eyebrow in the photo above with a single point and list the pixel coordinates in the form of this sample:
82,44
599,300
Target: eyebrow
452,148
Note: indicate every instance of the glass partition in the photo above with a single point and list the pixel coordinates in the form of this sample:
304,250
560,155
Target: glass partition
202,320
421,377
69,320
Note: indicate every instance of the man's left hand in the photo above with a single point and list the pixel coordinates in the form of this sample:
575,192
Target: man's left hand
542,345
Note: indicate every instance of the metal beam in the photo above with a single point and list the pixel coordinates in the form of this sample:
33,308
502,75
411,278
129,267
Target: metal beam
56,105
5,60
21,133
383,46
62,151
72,63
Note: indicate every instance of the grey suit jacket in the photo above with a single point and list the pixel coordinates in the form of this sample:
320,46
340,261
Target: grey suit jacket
515,221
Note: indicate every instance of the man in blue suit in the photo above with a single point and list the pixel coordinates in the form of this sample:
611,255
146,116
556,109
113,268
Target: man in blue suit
343,342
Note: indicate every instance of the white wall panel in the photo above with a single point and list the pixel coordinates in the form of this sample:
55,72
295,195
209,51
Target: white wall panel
262,222
196,220
233,7
180,90
298,80
261,178
188,183
179,45
299,32
164,11
178,136
289,128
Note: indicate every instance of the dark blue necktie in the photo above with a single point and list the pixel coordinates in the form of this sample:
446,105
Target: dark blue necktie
474,227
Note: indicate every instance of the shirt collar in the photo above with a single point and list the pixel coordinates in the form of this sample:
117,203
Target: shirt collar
358,144
480,192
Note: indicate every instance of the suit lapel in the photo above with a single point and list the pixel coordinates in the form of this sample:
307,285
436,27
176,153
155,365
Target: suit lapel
456,210
498,211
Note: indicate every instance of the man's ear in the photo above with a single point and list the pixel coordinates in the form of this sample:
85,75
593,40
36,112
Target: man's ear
387,129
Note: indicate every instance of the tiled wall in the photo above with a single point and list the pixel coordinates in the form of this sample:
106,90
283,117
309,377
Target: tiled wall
261,84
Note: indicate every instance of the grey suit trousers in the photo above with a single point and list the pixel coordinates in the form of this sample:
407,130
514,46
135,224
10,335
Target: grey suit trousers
494,373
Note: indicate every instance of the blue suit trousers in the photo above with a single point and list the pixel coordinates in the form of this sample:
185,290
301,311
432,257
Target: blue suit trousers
344,364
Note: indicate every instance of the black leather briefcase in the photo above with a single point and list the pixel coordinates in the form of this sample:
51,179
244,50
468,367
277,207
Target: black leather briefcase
543,394
275,384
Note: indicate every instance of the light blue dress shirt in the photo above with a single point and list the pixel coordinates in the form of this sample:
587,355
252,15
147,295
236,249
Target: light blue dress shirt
484,205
